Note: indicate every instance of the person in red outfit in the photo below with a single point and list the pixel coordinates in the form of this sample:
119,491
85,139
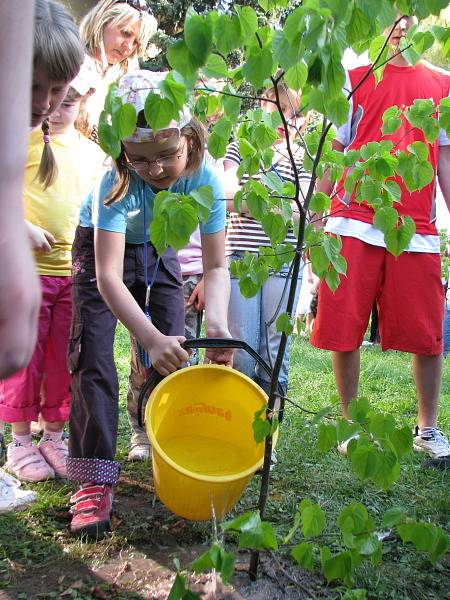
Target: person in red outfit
407,289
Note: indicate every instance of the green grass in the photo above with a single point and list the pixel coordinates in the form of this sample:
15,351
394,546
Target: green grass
33,542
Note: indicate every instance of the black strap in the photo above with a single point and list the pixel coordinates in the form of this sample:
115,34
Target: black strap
155,377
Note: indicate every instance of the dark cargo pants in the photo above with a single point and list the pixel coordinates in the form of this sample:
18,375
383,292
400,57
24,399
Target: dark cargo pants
95,390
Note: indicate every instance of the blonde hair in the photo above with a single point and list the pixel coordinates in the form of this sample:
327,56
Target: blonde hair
57,45
196,135
116,14
294,99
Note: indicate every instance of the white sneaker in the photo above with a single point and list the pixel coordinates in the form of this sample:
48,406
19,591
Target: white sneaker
12,497
432,441
139,452
343,446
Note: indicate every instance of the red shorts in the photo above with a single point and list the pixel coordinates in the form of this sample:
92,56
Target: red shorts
407,289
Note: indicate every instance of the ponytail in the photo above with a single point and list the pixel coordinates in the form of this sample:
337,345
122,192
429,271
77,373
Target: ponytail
48,170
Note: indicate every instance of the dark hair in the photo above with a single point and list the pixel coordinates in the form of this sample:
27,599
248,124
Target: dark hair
195,133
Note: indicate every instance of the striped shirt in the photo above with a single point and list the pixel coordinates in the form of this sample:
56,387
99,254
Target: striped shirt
245,233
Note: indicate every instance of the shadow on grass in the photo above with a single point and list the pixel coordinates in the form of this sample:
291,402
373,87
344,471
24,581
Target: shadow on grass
35,563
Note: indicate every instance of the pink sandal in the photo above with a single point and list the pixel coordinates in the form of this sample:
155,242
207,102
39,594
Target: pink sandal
28,464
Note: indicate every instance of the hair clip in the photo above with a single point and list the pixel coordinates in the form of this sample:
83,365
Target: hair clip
46,138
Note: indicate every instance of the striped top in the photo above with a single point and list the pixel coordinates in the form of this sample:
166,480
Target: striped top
245,233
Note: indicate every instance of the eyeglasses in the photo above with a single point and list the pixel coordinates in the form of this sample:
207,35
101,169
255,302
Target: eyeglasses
164,162
140,5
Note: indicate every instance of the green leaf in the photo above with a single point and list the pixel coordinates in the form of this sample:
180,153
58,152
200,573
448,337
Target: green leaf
402,441
231,104
365,462
228,33
393,189
346,430
336,108
388,472
358,410
313,518
296,75
422,535
332,278
246,522
358,594
158,111
398,239
385,219
378,51
326,437
422,40
391,120
303,555
354,519
319,261
253,532
220,137
174,91
338,566
109,142
215,66
215,558
419,149
274,227
273,182
248,20
178,588
381,426
126,120
183,221
204,197
415,173
180,58
258,67
285,54
264,136
198,36
284,324
393,516
359,27
261,429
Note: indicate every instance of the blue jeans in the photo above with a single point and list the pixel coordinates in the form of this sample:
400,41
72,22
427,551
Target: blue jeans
247,319
447,327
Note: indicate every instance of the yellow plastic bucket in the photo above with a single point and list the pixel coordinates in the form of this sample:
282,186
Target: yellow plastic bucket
199,422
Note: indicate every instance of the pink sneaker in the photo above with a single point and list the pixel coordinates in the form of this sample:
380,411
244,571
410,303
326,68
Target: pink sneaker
28,464
91,511
55,453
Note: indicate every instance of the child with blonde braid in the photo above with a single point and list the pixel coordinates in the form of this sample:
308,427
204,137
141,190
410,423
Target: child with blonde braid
58,55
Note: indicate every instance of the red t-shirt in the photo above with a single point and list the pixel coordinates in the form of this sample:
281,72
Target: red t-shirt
400,86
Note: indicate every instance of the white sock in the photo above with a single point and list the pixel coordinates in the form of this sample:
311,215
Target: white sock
22,440
54,436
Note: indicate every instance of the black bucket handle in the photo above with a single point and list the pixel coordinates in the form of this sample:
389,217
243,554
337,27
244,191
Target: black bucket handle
155,377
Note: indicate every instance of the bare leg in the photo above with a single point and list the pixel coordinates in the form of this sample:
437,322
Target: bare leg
55,427
427,371
21,428
346,372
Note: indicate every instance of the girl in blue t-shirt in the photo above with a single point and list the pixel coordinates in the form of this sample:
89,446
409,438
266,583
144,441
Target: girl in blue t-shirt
114,220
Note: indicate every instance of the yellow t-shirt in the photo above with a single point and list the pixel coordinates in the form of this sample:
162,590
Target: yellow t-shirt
56,209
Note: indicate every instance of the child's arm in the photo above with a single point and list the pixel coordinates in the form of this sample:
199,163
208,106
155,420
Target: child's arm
217,294
166,353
